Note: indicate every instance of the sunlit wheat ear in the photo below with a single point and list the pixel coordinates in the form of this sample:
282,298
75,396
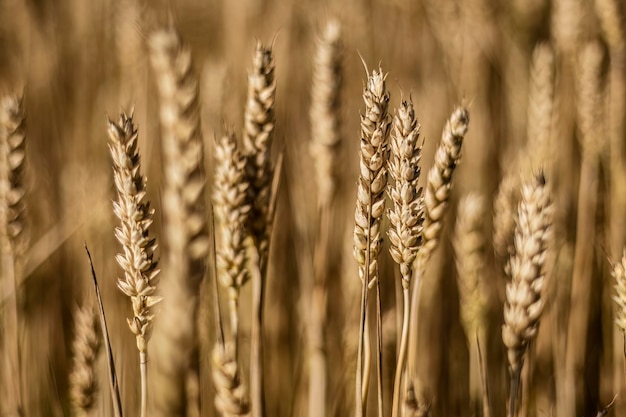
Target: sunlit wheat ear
325,117
439,182
184,225
524,293
469,247
231,398
407,214
135,215
258,134
374,151
85,348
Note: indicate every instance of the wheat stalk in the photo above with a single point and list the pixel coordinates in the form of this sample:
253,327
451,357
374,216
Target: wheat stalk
137,259
524,301
185,227
86,345
406,217
12,233
370,206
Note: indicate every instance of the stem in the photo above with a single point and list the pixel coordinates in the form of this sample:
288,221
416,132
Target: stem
359,356
257,397
483,379
143,367
404,340
515,380
379,356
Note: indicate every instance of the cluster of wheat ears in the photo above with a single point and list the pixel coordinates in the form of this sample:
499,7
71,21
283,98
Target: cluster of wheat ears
213,234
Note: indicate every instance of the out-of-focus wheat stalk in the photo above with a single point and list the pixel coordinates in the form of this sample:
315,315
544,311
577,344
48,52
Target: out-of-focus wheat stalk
524,293
184,217
406,218
470,251
86,345
324,147
12,236
370,206
591,135
137,259
258,134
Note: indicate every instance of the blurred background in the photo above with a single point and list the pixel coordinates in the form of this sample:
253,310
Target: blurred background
79,62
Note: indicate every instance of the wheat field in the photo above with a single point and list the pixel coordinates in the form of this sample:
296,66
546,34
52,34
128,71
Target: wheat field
311,208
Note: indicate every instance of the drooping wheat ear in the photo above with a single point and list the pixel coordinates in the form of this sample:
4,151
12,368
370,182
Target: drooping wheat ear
370,206
540,107
504,205
469,246
231,398
184,218
135,215
231,209
137,259
325,120
406,216
439,183
524,301
258,135
567,16
13,239
611,16
86,345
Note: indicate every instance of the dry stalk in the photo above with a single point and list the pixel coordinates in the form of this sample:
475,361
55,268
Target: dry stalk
137,259
86,345
370,206
470,252
184,218
258,134
325,141
524,301
406,218
12,235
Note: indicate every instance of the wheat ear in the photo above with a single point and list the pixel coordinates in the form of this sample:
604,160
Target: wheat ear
86,345
137,259
231,210
406,218
504,205
524,300
258,134
470,251
370,206
12,234
439,183
231,398
325,142
184,218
